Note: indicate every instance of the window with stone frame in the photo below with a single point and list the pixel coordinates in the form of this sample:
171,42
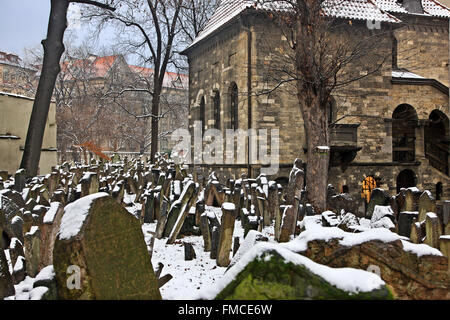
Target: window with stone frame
202,117
404,123
233,106
216,109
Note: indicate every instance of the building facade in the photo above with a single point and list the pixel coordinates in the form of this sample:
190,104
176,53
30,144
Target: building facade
388,130
15,113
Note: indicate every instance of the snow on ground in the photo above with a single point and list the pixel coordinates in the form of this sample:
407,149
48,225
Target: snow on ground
24,289
195,276
347,279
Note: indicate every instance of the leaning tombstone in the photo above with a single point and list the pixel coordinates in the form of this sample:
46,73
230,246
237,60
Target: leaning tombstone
287,224
97,242
226,234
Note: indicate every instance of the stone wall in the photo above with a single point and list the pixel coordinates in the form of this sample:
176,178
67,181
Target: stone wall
369,102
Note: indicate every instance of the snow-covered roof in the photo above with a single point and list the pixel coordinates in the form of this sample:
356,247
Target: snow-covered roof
405,74
370,10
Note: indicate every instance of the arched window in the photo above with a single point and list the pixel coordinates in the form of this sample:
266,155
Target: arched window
368,185
437,141
202,114
406,179
404,123
216,108
233,106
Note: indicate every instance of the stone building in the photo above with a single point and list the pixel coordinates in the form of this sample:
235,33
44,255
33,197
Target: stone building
15,111
392,131
15,77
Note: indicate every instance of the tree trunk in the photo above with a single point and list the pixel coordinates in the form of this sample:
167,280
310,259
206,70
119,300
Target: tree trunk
155,122
313,93
317,135
53,50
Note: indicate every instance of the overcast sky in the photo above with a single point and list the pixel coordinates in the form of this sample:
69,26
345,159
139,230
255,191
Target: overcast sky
23,23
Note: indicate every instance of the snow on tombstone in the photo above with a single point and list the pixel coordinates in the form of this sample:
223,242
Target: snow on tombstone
270,271
226,234
427,203
49,229
100,253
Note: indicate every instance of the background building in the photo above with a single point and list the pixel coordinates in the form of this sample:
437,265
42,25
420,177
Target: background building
389,130
15,111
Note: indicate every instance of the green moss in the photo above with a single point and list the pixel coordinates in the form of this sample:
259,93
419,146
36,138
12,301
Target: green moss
112,255
272,278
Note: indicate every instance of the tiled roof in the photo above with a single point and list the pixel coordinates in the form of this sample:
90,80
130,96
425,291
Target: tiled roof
378,10
358,10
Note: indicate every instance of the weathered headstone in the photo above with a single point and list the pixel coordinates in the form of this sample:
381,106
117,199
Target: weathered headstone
405,221
287,224
427,203
32,250
444,246
20,179
89,183
433,229
417,232
103,240
204,227
226,234
189,252
215,236
412,196
378,197
49,229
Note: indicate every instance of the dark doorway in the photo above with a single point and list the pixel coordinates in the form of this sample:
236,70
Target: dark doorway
406,179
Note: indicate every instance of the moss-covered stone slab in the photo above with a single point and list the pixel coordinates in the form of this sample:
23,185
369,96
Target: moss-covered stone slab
103,240
272,272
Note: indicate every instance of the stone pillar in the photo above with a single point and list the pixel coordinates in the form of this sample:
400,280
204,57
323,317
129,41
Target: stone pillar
420,140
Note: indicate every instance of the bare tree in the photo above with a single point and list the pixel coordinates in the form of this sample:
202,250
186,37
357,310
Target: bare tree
147,28
322,56
53,50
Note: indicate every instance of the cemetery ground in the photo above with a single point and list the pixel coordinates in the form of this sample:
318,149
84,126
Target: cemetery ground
129,229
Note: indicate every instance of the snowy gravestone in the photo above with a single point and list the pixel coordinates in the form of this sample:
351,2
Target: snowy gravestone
405,221
427,203
226,234
19,180
287,224
433,229
102,239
